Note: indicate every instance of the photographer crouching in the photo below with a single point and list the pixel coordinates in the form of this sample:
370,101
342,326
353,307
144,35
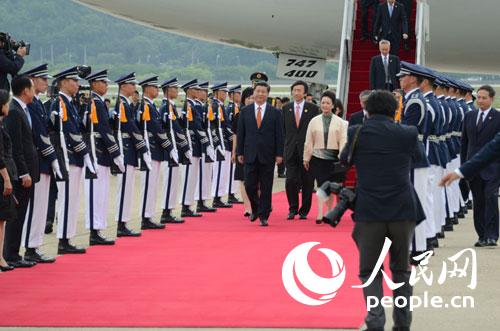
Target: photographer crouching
11,58
385,203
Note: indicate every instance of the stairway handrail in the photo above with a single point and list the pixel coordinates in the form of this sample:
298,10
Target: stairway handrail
421,30
345,53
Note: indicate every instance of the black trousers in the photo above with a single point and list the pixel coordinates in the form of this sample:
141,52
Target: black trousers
485,207
408,9
369,238
464,189
365,5
297,178
259,176
14,229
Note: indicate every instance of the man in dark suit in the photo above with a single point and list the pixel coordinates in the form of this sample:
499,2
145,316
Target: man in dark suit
18,124
479,128
296,118
489,154
360,116
392,146
391,24
259,147
384,68
365,5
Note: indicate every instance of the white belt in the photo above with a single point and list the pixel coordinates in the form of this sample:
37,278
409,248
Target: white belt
421,137
125,136
433,138
456,133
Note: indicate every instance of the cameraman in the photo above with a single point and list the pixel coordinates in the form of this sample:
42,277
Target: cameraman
386,204
10,62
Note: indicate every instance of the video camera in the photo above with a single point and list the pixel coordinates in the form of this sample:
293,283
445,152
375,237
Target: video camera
11,46
346,198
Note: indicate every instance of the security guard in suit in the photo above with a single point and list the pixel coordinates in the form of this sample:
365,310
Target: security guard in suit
74,157
204,185
220,184
415,114
104,151
233,108
35,220
192,124
171,169
160,148
132,145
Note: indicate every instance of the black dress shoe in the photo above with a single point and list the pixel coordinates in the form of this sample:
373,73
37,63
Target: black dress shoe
319,221
491,243
281,175
148,224
202,208
460,214
440,235
412,255
21,264
253,217
435,242
263,222
469,205
123,231
480,243
233,200
65,247
219,204
49,226
291,215
6,268
302,216
448,225
454,219
186,212
246,214
401,328
34,255
97,239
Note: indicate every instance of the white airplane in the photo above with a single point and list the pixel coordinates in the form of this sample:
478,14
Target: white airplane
461,35
452,35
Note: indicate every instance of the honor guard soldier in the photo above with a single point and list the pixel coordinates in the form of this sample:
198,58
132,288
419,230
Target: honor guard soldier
258,77
192,124
415,114
34,225
172,170
220,183
233,108
204,186
435,196
160,149
453,131
105,151
74,157
133,146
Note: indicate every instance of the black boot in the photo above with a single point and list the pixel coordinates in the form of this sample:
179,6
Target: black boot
219,204
97,239
187,212
148,224
123,231
202,208
49,226
448,225
454,219
34,255
65,247
166,217
231,199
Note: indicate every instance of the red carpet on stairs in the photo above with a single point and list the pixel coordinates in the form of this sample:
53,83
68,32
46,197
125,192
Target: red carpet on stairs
216,271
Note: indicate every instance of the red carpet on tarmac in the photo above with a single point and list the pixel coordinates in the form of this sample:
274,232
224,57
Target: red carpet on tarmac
216,271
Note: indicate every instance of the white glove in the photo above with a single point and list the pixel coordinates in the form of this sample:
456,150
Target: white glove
147,159
88,163
221,152
174,156
56,169
211,153
188,154
119,162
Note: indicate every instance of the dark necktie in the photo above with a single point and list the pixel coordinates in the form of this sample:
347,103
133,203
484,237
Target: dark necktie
480,123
